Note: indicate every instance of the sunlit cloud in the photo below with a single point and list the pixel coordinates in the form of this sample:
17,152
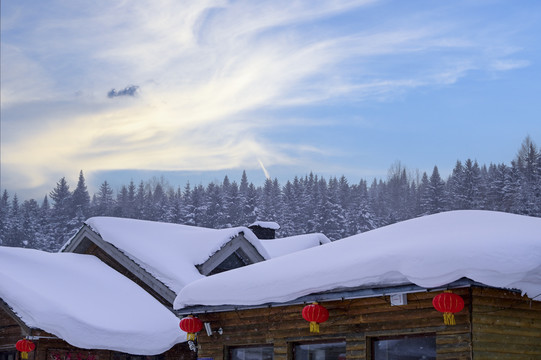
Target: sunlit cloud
207,75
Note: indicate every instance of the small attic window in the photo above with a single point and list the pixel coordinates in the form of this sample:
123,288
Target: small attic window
238,252
233,261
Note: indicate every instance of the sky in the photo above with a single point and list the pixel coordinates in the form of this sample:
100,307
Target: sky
195,90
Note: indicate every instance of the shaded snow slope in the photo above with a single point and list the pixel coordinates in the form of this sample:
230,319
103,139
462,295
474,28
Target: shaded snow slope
496,249
83,301
291,244
170,252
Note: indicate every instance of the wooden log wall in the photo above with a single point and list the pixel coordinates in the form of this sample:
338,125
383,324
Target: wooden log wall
355,321
50,348
505,325
10,331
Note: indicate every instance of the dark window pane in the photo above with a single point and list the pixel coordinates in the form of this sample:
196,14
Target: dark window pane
251,353
233,261
8,355
405,348
321,351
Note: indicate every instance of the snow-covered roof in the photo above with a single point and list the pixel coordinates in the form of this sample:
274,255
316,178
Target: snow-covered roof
291,244
496,249
266,224
83,301
169,252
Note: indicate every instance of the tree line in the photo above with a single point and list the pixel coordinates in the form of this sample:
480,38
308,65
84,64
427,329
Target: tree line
306,204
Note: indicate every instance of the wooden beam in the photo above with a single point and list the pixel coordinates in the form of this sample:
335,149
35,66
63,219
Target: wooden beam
4,306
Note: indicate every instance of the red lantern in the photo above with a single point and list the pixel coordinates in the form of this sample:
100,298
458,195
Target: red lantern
191,325
25,346
316,314
448,303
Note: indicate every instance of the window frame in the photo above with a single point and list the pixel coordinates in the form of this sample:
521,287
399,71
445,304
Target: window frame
292,345
5,354
372,339
229,348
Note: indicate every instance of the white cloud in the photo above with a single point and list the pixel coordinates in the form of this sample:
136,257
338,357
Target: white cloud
207,73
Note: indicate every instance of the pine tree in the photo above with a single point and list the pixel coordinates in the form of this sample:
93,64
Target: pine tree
455,188
61,197
214,212
122,203
105,202
436,192
175,211
528,199
4,217
232,205
250,205
472,186
188,208
424,196
199,206
61,214
30,223
15,230
80,197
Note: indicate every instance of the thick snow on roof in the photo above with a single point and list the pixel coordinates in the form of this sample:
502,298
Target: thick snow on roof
496,249
266,224
288,245
168,251
83,301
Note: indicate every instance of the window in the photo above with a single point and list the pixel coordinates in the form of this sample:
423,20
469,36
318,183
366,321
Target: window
233,261
264,352
8,355
320,351
414,347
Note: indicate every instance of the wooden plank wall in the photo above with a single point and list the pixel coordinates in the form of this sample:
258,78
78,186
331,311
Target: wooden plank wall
506,325
355,321
10,331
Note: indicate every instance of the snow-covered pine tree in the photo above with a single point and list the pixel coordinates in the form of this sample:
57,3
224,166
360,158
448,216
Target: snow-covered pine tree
81,197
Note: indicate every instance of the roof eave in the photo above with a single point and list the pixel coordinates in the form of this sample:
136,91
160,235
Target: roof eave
333,295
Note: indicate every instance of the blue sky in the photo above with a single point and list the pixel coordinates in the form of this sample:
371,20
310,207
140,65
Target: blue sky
208,88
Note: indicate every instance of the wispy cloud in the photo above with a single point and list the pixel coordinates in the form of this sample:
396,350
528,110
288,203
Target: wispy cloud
211,72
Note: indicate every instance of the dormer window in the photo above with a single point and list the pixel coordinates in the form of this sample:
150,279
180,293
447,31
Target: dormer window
236,253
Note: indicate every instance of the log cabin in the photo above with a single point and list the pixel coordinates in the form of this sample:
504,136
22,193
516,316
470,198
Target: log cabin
136,267
379,289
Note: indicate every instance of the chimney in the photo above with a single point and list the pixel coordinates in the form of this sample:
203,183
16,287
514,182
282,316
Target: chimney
264,230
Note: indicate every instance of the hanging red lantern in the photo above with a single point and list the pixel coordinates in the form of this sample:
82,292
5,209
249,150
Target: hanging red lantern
315,314
448,303
191,325
25,346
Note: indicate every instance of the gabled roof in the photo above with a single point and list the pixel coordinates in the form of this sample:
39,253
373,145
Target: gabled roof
173,254
495,249
84,302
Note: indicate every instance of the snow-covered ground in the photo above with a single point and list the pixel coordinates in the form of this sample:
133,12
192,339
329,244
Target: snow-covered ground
496,249
85,302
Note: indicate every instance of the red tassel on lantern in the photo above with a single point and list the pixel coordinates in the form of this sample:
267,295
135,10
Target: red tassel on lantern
25,346
448,303
315,314
191,325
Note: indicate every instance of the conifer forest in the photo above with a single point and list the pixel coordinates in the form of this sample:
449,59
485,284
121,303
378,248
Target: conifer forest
307,204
